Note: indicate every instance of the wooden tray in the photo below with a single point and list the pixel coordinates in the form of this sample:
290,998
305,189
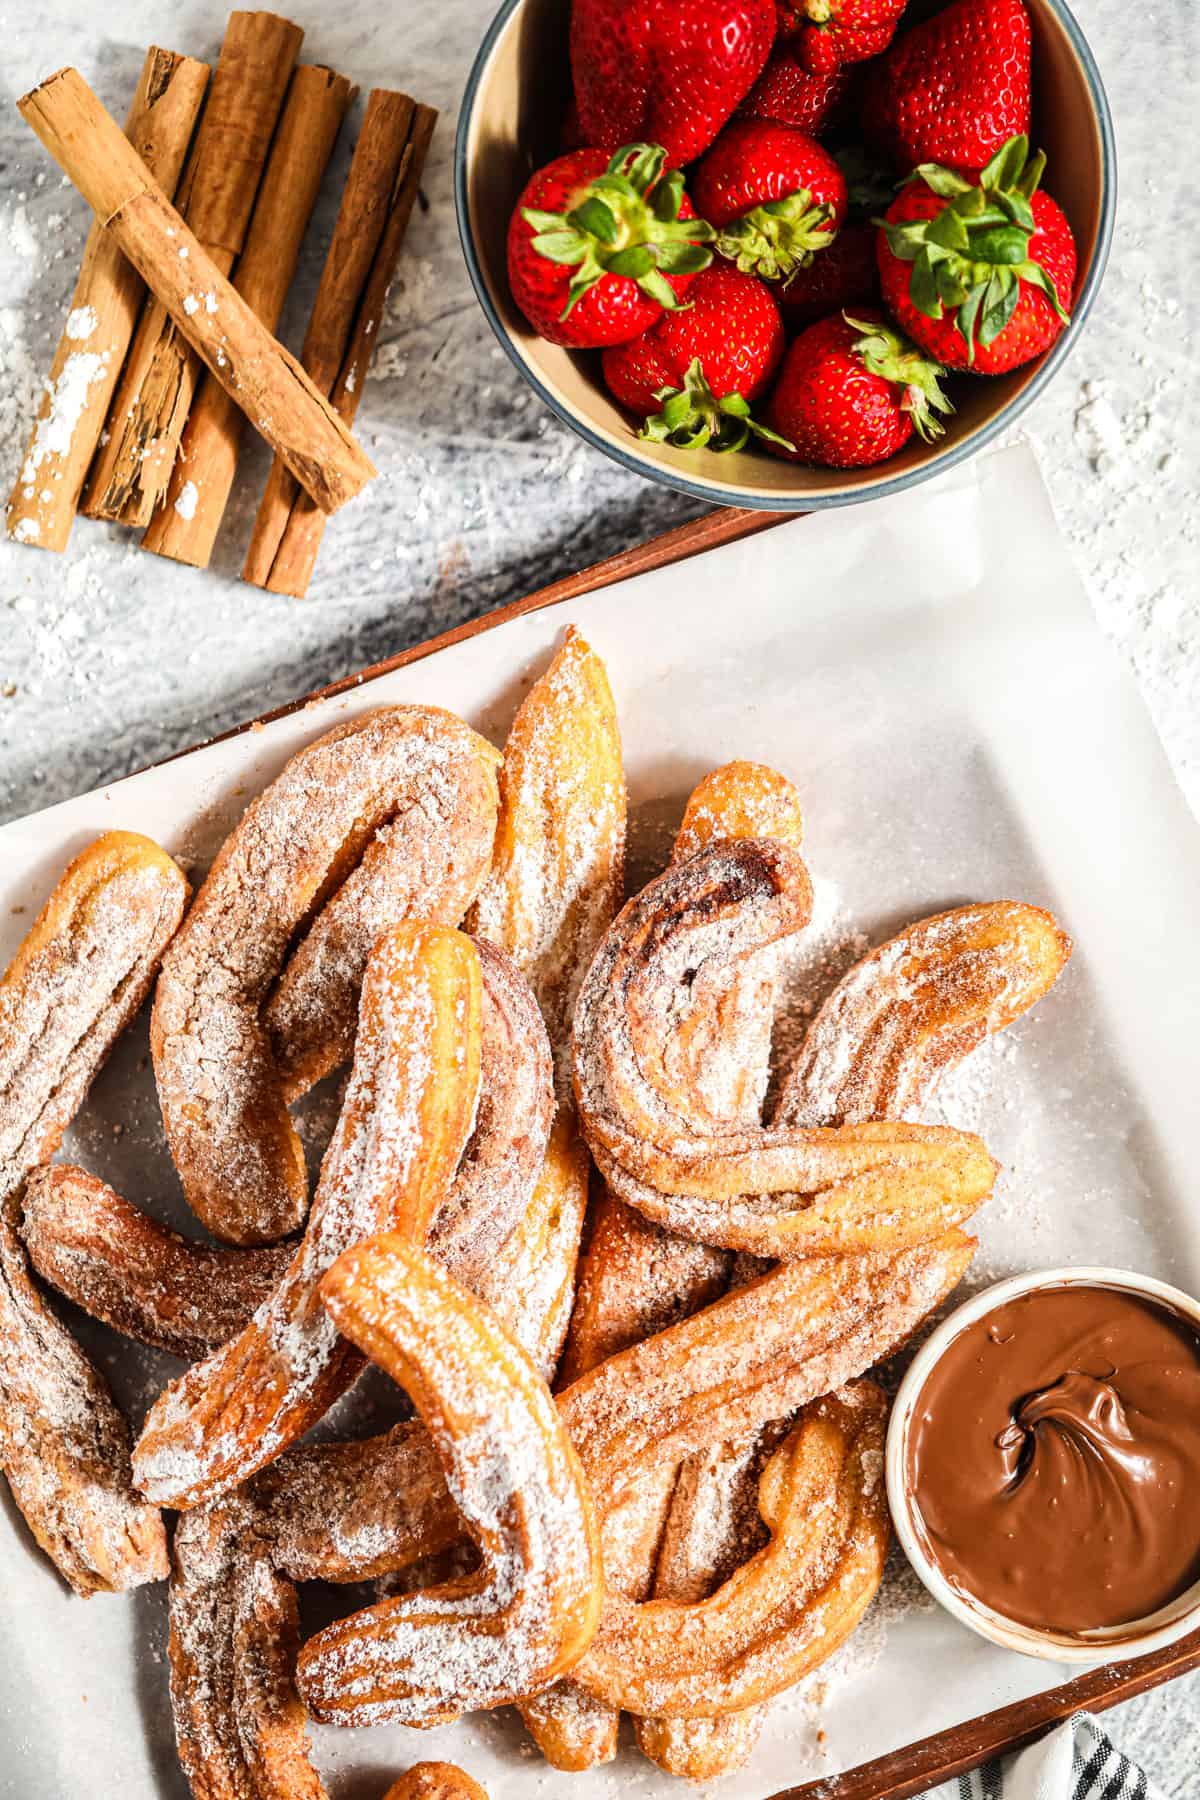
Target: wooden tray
913,1768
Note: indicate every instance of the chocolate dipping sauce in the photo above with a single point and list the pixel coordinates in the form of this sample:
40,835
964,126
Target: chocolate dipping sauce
1053,1459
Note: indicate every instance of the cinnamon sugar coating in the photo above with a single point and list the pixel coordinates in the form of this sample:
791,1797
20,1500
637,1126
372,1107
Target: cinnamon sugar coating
407,1115
558,870
75,983
530,1281
122,1266
635,1279
799,1331
234,1636
529,1610
782,1191
916,1006
389,812
190,1298
789,1607
573,1730
323,1512
635,1276
556,883
494,1183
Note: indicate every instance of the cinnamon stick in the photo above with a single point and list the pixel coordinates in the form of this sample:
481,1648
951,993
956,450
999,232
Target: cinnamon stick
186,524
267,383
151,407
101,317
377,204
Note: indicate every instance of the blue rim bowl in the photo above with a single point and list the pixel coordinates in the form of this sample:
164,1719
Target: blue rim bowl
515,98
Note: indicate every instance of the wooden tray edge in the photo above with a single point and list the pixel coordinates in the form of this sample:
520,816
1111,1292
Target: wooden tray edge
914,1768
725,526
917,1767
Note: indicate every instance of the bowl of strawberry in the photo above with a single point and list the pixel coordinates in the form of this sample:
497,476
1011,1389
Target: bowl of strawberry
786,253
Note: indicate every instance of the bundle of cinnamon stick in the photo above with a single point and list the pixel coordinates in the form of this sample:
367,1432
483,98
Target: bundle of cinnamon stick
168,348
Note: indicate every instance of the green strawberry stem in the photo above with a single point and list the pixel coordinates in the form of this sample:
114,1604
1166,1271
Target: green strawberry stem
692,418
779,238
883,351
626,224
974,254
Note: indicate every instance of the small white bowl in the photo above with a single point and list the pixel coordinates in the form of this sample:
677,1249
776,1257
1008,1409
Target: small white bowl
1155,1631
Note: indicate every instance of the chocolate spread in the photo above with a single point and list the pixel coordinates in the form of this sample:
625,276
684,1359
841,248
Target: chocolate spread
1054,1459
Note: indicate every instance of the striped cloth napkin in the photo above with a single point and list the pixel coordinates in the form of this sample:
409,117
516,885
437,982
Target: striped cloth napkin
1076,1762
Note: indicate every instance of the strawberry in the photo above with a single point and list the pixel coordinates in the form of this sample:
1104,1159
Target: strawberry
978,270
692,375
954,89
844,275
598,247
852,392
671,71
775,196
824,34
789,95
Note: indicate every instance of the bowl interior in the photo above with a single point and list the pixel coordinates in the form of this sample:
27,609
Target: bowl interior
512,126
1172,1621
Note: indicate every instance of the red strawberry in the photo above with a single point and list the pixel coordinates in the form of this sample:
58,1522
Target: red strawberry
775,196
789,95
826,33
692,375
597,248
844,275
852,392
954,89
671,71
979,271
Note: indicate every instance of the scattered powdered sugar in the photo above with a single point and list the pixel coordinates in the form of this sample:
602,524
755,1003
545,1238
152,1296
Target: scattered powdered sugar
21,238
802,1710
81,322
67,398
185,500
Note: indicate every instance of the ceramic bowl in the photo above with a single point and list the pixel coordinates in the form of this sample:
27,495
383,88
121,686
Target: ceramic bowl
1152,1633
509,124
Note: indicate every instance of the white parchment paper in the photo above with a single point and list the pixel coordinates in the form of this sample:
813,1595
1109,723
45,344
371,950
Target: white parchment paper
928,671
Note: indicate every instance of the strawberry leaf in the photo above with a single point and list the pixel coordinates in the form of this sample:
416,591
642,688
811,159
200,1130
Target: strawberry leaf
1038,277
626,223
973,253
1004,244
634,262
776,240
542,221
888,354
667,197
948,230
1007,165
682,259
999,305
561,246
692,418
660,289
945,182
614,184
923,289
967,315
595,218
